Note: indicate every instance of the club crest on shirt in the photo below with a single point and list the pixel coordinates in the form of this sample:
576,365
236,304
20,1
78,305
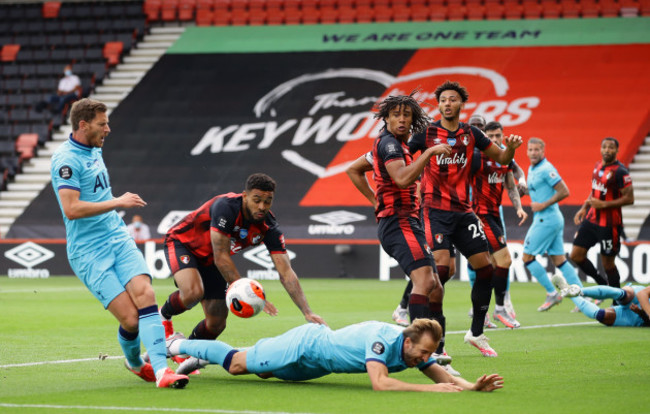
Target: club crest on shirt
609,175
378,348
502,240
464,139
257,238
65,172
185,259
438,238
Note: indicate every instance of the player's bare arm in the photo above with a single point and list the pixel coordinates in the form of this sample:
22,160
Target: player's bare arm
221,253
291,284
380,381
520,176
357,173
580,214
486,383
74,208
513,193
561,192
405,175
504,156
626,198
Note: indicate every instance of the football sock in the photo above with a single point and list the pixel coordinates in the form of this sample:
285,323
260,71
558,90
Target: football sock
588,308
613,277
216,352
419,307
201,331
539,273
152,335
173,306
570,273
481,294
437,314
588,268
443,274
405,297
500,284
130,343
604,292
472,275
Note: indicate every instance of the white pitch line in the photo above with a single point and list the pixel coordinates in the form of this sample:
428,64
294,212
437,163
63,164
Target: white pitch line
71,361
155,409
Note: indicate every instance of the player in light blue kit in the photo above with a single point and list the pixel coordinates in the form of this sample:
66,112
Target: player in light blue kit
545,235
312,351
633,308
100,251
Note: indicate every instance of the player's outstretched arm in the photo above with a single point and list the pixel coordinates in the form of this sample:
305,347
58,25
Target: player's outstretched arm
405,175
291,284
75,208
485,383
357,173
380,380
504,156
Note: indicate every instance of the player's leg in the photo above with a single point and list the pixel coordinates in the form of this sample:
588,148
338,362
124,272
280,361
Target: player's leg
201,352
503,260
537,241
610,246
401,314
216,314
586,237
592,311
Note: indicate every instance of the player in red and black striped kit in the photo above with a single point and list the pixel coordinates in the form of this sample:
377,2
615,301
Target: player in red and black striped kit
447,212
489,178
198,250
600,217
396,203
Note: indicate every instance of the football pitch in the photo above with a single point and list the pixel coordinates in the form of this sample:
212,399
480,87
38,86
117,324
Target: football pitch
59,354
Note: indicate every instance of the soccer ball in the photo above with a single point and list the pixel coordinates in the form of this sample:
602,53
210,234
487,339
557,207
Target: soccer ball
245,297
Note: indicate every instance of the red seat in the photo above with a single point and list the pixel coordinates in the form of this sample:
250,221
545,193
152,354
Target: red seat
570,9
26,146
310,15
51,9
629,8
438,13
494,11
476,12
254,5
589,8
204,17
222,4
168,10
222,18
257,17
186,10
610,8
383,14
238,5
532,9
401,14
293,16
204,4
112,52
9,52
240,17
328,15
151,9
513,11
275,16
644,8
551,9
419,13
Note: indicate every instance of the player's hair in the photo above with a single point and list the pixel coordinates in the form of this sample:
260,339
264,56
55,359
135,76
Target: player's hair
85,110
614,140
478,117
538,141
452,86
420,327
420,118
491,126
260,181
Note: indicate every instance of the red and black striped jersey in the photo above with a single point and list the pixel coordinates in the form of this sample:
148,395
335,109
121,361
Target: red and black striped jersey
607,181
446,180
224,214
392,200
488,179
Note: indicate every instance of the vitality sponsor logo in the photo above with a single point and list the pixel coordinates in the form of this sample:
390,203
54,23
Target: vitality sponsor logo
261,256
456,159
29,254
335,223
495,178
598,186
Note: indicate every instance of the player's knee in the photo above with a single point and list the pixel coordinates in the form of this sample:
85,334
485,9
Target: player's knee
130,322
629,295
191,295
606,316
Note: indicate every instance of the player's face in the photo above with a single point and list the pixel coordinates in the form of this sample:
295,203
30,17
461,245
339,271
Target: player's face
96,130
609,151
495,135
416,352
399,121
535,153
450,105
477,123
257,204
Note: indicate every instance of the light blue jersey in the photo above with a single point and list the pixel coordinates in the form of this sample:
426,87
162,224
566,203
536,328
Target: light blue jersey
542,177
311,351
81,168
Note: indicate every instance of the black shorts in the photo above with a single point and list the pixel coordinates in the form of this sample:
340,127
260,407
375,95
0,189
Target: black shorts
403,239
179,257
493,229
609,237
462,229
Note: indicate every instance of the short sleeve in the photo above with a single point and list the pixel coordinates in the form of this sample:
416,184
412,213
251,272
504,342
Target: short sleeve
274,238
552,177
222,216
389,149
482,142
66,173
623,179
377,350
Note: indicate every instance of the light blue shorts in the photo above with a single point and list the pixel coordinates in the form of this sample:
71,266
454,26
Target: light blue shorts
287,356
624,315
545,236
108,269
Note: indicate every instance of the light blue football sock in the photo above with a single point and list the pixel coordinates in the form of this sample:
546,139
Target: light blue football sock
569,273
589,309
130,343
211,350
539,273
152,334
604,292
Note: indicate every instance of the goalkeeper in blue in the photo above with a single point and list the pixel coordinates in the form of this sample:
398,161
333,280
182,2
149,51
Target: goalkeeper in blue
312,351
633,307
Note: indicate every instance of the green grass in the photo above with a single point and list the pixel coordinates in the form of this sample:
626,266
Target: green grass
587,368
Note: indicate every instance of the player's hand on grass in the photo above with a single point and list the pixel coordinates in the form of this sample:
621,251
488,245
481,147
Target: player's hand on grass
129,200
270,309
488,383
445,387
